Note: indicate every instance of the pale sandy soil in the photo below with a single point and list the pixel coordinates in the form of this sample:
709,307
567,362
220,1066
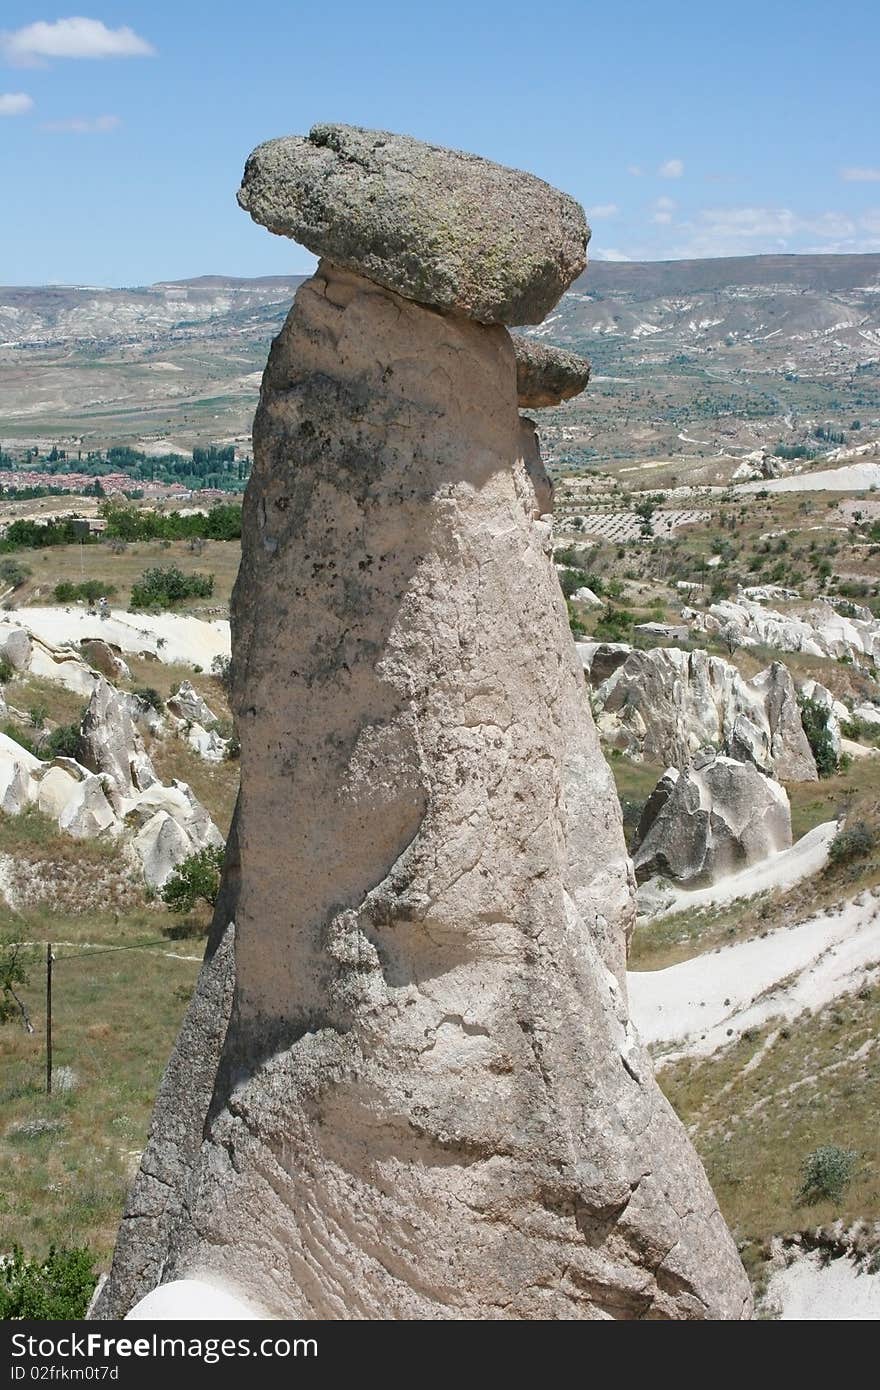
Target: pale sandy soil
809,1290
695,1008
779,871
850,478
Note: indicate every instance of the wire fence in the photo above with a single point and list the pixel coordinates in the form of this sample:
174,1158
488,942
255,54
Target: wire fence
70,953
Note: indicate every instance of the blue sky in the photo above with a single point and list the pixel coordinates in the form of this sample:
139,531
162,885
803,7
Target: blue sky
686,129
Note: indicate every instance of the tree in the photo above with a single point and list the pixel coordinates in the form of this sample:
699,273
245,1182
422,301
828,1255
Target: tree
645,511
731,636
197,879
221,667
814,718
14,971
55,1289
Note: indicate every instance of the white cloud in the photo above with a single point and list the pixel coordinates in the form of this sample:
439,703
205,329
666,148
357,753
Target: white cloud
635,169
663,209
671,169
609,254
15,103
83,125
603,210
751,230
854,174
71,38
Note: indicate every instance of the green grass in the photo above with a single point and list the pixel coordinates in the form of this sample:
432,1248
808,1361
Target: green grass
72,563
66,1160
62,706
35,836
753,1129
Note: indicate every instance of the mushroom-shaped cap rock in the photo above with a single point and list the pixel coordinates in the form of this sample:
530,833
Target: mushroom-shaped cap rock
443,228
547,375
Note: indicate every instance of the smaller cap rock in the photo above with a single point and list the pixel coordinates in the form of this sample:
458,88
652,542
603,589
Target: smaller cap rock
547,375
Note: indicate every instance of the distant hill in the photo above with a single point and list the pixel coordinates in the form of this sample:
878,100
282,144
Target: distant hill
652,279
693,359
822,307
47,314
808,290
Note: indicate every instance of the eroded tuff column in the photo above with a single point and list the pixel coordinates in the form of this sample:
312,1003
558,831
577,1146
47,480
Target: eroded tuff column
428,1101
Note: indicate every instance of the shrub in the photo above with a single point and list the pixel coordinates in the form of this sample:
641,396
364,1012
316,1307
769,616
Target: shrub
826,1174
860,730
13,572
574,622
90,590
150,696
196,879
63,742
614,625
855,843
7,670
814,718
571,581
163,588
38,715
569,557
55,1289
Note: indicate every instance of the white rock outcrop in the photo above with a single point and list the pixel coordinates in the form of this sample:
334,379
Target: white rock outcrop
31,654
665,704
111,745
709,820
186,703
118,795
817,629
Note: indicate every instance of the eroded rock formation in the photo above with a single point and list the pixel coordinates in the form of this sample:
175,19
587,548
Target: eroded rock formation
407,1086
546,375
439,226
709,820
665,704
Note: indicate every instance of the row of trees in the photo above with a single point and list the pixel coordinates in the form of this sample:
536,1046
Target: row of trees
221,523
214,465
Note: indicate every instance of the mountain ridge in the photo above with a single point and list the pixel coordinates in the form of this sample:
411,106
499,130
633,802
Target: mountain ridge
746,350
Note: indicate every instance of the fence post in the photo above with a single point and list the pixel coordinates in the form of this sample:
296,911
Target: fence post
49,959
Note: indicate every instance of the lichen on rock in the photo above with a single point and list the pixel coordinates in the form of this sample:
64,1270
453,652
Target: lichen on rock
441,227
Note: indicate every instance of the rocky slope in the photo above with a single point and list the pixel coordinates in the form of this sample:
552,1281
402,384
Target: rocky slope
692,359
110,789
